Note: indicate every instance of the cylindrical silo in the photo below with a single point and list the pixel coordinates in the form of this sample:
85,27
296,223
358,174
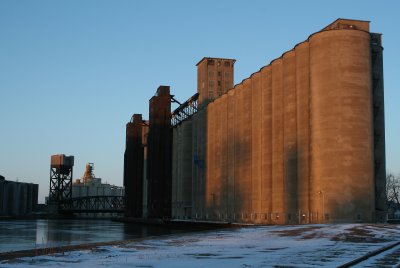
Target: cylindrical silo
199,135
290,135
246,151
231,153
175,168
278,186
341,125
210,164
303,130
216,151
239,141
256,146
266,143
186,169
224,155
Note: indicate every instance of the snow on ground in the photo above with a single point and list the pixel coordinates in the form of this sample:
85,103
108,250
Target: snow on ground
261,246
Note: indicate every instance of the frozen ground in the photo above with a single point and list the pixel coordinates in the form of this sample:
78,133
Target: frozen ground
266,246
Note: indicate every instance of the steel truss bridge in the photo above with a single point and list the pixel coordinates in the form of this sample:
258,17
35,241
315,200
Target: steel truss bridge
92,204
185,110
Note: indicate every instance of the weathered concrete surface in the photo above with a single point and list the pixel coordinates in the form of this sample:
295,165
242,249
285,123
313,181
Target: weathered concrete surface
341,124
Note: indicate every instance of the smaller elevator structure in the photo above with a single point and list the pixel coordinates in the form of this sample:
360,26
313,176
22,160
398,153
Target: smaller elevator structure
61,168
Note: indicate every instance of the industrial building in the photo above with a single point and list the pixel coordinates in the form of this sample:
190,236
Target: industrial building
134,166
89,185
87,195
299,141
17,198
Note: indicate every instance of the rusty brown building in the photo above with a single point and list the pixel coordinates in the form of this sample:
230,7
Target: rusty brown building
134,158
299,141
159,148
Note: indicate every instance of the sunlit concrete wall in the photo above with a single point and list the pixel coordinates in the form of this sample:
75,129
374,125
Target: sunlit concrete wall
298,141
342,125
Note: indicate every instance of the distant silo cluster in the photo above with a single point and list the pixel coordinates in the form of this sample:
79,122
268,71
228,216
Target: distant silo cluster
299,141
17,198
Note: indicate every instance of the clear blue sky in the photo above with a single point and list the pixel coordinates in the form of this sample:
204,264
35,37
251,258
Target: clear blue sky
73,72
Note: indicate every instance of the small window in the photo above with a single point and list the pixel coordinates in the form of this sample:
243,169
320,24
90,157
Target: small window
227,63
219,63
211,83
219,73
219,83
210,62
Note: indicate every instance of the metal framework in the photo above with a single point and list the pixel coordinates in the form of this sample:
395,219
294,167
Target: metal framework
93,204
185,110
60,183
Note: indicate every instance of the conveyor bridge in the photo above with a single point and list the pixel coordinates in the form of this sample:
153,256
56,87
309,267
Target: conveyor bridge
93,204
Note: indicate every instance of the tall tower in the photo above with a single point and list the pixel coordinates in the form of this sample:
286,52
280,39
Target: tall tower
133,167
60,178
159,161
214,78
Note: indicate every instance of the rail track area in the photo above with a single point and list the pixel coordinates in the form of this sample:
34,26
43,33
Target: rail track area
388,256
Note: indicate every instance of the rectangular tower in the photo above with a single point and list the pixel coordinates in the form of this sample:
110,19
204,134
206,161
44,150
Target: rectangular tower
159,159
214,77
133,167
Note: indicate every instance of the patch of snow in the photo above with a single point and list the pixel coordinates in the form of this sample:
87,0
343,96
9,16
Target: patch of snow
258,246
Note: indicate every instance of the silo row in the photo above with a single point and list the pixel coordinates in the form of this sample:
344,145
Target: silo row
291,144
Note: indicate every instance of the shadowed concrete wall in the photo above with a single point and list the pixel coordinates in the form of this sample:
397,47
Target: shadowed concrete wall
199,166
379,126
297,142
17,198
182,171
